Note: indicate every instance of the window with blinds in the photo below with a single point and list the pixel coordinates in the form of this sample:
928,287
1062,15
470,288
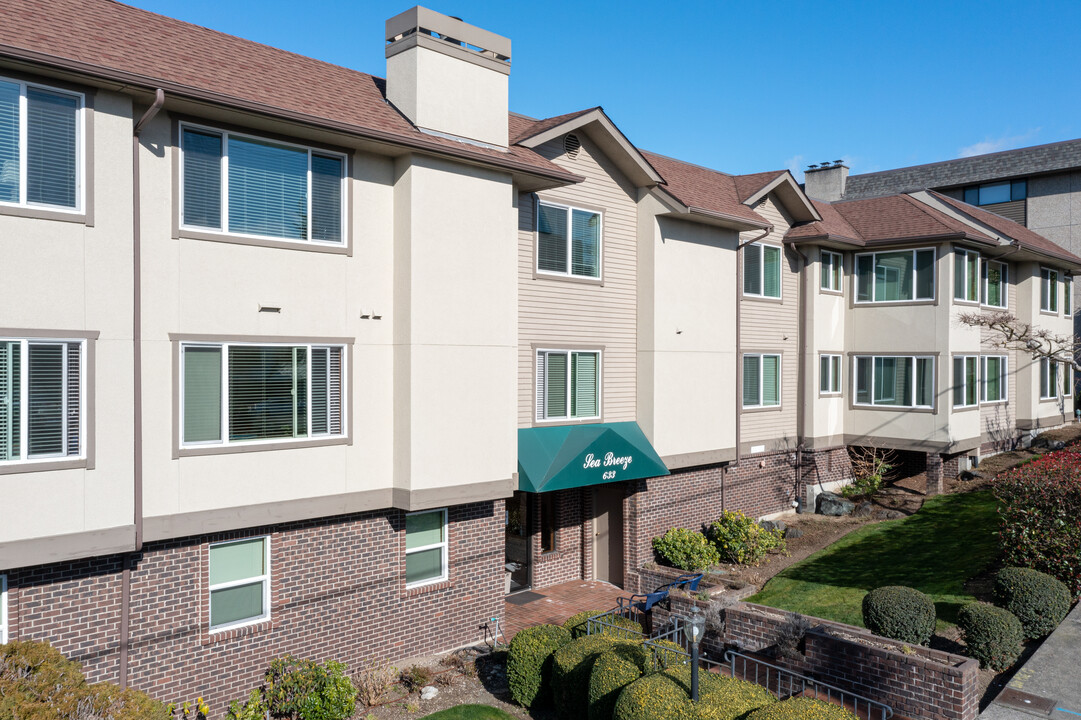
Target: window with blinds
568,384
896,276
41,399
894,381
761,381
762,270
40,146
244,185
234,393
568,241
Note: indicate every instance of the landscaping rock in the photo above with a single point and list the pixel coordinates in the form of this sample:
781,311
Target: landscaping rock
833,504
888,514
771,525
1057,445
864,509
791,533
967,475
428,692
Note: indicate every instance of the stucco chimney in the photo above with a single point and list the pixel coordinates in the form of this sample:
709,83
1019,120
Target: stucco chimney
448,77
826,181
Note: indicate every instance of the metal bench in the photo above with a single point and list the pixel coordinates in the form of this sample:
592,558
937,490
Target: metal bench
644,602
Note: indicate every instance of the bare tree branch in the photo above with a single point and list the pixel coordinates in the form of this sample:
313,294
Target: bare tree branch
1013,334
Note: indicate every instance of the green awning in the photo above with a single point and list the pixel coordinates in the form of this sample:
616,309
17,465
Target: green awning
570,456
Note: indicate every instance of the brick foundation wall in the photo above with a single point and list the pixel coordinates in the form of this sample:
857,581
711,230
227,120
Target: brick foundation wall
920,683
572,558
762,484
337,592
827,465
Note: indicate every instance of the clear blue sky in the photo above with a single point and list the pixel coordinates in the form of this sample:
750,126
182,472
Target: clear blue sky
745,86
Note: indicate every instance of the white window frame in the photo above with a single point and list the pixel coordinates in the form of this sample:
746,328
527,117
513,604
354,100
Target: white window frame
834,362
24,399
762,272
444,545
570,240
80,145
761,378
962,255
1005,379
1053,383
264,578
836,262
225,441
1051,296
964,390
542,408
915,299
985,282
224,229
915,382
4,623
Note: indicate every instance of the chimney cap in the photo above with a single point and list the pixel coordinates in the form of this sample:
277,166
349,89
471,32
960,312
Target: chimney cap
444,28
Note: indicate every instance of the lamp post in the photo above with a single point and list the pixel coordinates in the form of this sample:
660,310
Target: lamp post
693,629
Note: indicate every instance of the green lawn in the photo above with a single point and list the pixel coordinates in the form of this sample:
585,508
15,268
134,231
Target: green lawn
951,539
470,712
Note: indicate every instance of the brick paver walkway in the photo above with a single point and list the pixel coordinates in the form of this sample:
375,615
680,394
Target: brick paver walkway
561,602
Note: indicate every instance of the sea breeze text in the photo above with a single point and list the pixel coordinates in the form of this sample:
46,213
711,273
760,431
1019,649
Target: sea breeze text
592,461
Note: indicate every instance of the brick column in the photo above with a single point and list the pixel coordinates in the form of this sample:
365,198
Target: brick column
934,474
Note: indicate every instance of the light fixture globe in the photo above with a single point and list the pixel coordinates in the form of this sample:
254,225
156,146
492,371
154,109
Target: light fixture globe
694,627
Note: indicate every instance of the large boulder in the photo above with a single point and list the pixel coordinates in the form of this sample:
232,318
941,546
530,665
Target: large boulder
771,525
833,504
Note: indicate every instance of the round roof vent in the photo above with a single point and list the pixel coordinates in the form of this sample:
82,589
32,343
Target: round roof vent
571,145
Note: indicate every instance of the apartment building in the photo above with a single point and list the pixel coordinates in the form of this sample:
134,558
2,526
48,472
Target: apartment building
298,359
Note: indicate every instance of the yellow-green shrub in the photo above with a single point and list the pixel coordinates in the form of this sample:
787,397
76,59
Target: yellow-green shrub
571,665
669,654
721,697
740,539
654,697
529,663
801,708
613,671
578,625
38,683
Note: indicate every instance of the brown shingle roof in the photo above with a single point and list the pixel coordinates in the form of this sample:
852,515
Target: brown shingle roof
900,217
109,39
1025,237
536,127
748,185
702,188
832,226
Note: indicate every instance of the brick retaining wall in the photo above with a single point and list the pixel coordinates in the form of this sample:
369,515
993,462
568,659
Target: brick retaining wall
917,683
337,592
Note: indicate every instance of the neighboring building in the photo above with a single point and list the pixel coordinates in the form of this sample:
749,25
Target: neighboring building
294,359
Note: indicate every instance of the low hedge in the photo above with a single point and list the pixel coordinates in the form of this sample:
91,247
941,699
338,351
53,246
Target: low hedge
571,666
613,671
721,697
668,653
801,708
577,626
1038,600
658,696
529,663
38,683
991,635
901,613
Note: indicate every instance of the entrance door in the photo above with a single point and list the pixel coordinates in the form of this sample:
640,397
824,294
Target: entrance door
608,533
518,551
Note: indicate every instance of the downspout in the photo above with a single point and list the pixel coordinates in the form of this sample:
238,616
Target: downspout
137,370
739,349
801,367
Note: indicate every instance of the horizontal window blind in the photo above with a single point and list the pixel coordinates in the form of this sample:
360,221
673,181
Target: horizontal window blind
9,142
551,238
268,192
202,178
771,271
10,394
262,393
585,243
771,380
44,418
46,400
326,198
50,147
752,380
556,393
585,385
752,270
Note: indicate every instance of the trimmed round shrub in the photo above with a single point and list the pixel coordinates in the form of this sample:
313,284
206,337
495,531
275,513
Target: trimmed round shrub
1038,600
529,663
801,708
992,635
685,549
721,697
613,671
571,666
658,696
668,653
37,681
740,539
577,626
901,613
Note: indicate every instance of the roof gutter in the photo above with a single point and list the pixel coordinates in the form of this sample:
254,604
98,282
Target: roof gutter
739,344
418,143
137,369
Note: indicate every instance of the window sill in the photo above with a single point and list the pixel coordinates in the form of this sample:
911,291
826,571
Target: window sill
255,628
880,303
41,213
964,408
1050,313
29,466
993,402
558,277
993,308
425,589
302,245
567,421
759,408
196,450
763,298
830,395
894,408
827,291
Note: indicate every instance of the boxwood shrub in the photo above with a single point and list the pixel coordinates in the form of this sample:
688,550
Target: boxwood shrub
577,625
658,696
991,635
1038,600
740,539
801,708
686,549
613,671
668,653
721,697
901,613
571,666
529,663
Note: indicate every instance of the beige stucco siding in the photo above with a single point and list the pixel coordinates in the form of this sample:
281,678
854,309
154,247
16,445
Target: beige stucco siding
771,326
564,312
77,279
826,336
